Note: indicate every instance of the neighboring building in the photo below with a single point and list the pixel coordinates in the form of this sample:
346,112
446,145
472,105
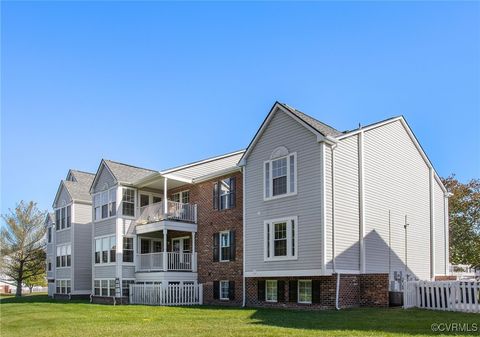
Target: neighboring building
72,240
50,252
178,226
321,202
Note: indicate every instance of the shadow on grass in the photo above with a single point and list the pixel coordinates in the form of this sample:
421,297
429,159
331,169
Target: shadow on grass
387,320
35,298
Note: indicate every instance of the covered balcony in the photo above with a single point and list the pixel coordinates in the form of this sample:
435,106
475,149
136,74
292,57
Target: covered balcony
166,251
163,205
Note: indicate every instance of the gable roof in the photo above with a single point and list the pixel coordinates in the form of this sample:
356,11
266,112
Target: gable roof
320,129
78,189
122,173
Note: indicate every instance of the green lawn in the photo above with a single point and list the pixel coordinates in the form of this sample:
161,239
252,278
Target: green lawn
37,315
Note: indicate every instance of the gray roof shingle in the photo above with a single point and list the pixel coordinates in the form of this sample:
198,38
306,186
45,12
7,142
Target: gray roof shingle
321,127
127,173
79,190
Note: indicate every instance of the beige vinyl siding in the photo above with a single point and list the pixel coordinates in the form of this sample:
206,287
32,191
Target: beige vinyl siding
104,271
284,131
105,180
63,198
104,227
439,229
346,192
396,181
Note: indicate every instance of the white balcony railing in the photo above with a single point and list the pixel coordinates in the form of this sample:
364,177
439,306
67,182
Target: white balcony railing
175,211
175,261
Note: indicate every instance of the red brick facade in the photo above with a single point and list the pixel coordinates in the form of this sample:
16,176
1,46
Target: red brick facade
355,290
211,221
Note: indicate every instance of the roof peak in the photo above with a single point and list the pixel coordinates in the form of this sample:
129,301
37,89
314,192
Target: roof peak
129,165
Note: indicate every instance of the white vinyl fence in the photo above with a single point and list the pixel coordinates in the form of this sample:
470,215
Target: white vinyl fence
443,295
157,294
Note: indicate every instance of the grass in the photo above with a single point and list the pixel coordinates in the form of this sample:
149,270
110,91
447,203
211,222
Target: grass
37,315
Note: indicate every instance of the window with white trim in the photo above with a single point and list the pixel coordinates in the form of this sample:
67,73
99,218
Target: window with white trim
105,204
183,197
225,246
305,291
49,234
224,290
271,290
280,239
63,286
105,249
63,217
280,177
104,287
127,249
64,256
128,202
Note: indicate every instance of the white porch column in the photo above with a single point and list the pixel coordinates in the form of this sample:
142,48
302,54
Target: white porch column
165,254
165,200
194,254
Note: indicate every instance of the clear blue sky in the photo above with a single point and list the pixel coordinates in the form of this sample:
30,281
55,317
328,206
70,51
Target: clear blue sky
161,84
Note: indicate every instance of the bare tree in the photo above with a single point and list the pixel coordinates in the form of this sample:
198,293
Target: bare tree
22,243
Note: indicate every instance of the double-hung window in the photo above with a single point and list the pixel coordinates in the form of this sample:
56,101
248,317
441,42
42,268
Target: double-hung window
69,216
128,202
224,192
64,256
224,290
57,219
104,287
280,239
105,204
280,177
271,291
127,249
225,246
305,291
49,234
63,218
183,197
105,249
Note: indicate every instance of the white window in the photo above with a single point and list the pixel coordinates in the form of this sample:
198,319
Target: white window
183,197
128,202
271,290
280,239
105,204
105,249
127,249
280,177
64,256
225,246
305,291
104,287
224,290
112,202
63,286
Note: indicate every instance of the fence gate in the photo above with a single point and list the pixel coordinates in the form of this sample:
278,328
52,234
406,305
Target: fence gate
174,294
443,295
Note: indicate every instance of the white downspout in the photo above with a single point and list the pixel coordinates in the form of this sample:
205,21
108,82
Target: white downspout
337,292
244,295
333,207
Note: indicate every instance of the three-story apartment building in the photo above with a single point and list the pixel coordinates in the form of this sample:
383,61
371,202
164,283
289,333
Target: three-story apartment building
306,216
72,244
331,215
177,226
